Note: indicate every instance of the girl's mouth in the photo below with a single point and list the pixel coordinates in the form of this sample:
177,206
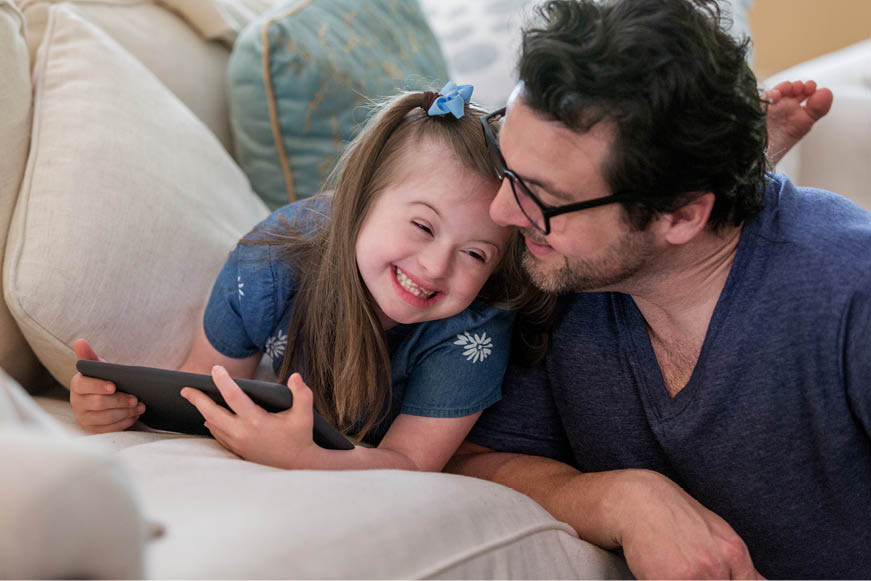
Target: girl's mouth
412,287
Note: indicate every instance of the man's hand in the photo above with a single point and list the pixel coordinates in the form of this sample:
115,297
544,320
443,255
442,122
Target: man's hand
665,533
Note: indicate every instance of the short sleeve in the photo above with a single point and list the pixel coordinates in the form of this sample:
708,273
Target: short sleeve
241,311
526,421
459,369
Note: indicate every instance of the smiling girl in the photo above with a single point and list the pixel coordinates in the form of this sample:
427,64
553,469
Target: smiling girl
387,304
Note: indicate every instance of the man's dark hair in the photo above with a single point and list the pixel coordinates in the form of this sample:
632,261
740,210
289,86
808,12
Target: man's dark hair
675,85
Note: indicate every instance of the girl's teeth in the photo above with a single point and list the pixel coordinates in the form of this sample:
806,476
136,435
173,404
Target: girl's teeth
411,286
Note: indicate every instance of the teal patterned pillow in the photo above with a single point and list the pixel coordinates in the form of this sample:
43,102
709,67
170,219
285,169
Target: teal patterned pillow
302,74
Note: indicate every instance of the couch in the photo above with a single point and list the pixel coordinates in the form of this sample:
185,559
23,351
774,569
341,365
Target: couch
119,198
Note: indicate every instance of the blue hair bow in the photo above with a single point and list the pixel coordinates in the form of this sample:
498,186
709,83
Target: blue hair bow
452,100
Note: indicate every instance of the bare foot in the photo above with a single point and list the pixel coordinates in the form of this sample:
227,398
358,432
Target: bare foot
788,119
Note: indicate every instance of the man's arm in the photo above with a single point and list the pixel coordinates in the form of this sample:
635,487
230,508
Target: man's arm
663,531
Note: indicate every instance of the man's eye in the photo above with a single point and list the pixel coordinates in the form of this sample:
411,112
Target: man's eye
423,227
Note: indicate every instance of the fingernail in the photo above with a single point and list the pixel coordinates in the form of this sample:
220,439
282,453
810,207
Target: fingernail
140,408
109,388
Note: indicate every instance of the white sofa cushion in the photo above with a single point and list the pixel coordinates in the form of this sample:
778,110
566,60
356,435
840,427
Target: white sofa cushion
69,509
194,69
128,208
227,518
15,355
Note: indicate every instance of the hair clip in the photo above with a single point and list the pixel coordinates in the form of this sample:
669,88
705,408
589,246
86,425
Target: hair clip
452,99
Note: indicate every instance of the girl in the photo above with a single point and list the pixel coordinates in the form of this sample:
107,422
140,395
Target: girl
393,296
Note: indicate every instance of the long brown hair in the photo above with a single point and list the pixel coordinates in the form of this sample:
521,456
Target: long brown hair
335,335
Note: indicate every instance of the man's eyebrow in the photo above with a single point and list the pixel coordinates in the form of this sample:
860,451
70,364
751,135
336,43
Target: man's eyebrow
549,188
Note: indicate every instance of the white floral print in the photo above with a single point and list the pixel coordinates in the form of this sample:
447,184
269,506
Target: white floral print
276,345
475,348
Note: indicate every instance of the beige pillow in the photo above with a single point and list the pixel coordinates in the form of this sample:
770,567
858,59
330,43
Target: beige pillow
220,20
194,69
128,208
15,355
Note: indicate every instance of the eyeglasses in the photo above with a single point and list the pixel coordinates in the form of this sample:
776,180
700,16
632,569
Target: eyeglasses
537,212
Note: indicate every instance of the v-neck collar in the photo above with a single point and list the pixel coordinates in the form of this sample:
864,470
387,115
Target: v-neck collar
639,349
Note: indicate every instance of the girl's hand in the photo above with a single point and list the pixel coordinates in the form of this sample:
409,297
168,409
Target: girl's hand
282,439
96,406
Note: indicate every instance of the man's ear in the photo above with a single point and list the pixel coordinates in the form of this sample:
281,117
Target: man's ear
689,220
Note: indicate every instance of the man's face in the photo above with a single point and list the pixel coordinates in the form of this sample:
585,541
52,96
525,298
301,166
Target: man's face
592,249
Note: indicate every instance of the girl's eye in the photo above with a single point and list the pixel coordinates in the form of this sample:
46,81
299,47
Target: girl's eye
423,227
477,256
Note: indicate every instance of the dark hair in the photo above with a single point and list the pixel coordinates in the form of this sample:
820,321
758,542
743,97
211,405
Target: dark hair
677,88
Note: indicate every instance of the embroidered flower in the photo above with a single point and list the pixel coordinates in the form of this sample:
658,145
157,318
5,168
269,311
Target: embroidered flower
239,285
276,345
475,348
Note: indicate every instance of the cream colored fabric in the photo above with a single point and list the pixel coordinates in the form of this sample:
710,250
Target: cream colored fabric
15,104
835,154
226,518
192,68
68,509
128,208
219,20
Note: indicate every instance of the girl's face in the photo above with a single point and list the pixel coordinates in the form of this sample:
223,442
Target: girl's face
428,244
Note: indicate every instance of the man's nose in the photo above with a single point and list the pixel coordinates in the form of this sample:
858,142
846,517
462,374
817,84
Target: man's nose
504,209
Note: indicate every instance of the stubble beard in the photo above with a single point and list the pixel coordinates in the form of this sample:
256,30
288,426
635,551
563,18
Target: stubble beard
619,262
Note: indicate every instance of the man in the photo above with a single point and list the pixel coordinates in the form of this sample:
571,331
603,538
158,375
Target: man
705,405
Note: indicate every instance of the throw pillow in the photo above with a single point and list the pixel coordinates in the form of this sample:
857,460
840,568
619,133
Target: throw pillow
300,75
128,208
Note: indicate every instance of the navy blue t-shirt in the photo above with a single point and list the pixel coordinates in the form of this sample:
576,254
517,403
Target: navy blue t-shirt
446,368
772,430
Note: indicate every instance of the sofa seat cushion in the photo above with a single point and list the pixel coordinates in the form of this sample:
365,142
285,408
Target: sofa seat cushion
301,74
376,524
128,208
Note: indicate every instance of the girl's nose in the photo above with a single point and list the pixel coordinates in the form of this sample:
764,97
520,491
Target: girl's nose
435,260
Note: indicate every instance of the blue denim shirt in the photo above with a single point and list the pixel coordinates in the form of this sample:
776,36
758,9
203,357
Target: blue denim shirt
445,369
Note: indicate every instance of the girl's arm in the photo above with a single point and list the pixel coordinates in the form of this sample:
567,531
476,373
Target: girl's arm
203,357
284,439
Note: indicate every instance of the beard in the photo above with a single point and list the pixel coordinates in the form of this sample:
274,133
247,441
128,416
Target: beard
620,261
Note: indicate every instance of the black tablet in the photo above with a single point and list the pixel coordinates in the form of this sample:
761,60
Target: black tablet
166,409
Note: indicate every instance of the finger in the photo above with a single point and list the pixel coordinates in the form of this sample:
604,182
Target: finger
222,437
236,399
809,88
211,412
116,427
772,96
109,417
784,87
83,385
302,399
797,89
84,351
104,402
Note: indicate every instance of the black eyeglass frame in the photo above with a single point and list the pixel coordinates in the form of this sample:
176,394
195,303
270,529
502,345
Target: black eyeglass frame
547,212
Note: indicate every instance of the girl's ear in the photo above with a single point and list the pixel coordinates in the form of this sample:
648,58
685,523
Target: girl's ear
686,222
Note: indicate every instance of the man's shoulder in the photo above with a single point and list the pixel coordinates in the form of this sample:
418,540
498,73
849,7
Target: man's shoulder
817,229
